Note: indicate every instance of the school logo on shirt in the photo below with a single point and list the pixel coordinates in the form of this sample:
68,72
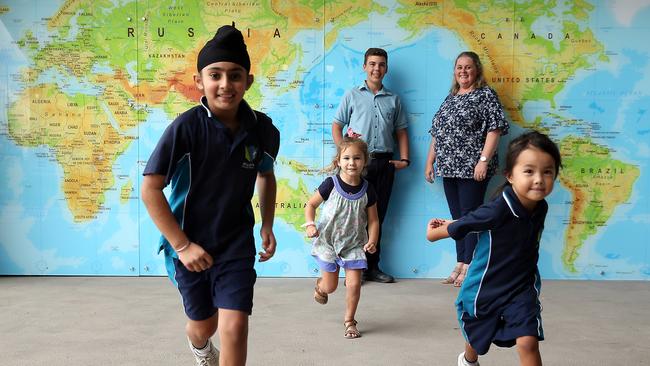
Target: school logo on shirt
390,113
250,156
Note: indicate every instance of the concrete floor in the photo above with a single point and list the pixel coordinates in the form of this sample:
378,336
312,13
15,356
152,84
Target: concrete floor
138,321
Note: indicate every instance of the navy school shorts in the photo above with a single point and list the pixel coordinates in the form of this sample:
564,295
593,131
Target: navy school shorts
518,318
225,285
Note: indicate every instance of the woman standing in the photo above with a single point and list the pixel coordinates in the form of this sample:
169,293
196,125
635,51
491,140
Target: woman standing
465,134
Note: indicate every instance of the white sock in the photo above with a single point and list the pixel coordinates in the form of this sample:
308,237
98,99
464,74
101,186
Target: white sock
202,352
467,363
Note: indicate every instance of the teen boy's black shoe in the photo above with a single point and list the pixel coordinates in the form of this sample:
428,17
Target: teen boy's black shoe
377,276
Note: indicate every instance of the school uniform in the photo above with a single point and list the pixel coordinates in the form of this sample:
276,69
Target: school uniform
212,174
499,299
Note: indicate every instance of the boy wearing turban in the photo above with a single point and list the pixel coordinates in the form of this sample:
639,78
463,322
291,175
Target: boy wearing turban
213,155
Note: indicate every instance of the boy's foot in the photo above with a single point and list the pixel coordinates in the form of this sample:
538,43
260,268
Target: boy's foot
462,361
206,356
377,276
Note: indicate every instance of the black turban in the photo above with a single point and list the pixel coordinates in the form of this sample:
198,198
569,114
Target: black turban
227,45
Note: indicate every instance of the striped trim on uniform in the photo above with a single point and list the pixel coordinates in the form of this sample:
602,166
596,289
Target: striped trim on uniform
181,185
471,289
512,209
538,290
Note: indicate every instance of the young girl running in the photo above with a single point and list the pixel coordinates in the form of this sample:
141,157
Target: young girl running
341,239
499,300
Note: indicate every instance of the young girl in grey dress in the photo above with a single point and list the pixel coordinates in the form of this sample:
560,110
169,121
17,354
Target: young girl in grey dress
340,235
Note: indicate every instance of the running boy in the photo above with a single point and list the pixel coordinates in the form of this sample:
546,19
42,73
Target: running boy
213,154
499,299
374,113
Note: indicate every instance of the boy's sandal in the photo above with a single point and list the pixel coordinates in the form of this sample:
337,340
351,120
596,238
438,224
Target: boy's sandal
319,296
351,331
452,277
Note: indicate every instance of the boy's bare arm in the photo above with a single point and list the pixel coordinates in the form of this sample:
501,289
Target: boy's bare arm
337,133
437,229
266,191
403,142
403,145
160,212
192,256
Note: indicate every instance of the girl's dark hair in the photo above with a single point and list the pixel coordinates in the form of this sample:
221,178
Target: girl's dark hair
534,139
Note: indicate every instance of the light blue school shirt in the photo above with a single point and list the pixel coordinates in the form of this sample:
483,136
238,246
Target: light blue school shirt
375,116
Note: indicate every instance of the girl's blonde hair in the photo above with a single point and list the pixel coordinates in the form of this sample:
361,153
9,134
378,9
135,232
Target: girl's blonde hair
333,168
480,78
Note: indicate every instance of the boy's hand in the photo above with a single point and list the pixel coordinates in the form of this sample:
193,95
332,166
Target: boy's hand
370,247
268,244
195,258
311,231
399,164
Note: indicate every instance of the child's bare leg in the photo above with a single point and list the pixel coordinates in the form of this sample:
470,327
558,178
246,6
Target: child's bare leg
199,331
233,336
329,281
470,353
326,285
352,295
352,292
528,349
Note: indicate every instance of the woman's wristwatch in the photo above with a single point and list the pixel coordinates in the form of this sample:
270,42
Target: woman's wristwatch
483,158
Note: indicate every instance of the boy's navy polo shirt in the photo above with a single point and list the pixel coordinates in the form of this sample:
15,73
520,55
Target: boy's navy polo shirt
213,173
506,254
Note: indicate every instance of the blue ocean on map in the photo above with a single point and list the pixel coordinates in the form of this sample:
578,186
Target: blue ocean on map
319,98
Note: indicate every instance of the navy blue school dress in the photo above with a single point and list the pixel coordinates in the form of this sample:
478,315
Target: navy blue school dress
499,299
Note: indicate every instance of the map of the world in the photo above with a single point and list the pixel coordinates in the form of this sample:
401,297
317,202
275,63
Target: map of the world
87,88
